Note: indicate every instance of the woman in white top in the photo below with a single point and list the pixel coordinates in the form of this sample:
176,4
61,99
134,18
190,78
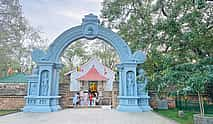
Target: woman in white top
75,100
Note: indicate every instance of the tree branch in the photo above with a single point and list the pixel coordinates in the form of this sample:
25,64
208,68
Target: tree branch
210,27
163,11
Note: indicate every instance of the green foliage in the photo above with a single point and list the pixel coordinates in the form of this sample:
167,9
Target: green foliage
187,77
17,38
73,52
107,54
174,34
6,112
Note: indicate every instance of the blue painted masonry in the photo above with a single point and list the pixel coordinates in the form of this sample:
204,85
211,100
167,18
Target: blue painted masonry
43,83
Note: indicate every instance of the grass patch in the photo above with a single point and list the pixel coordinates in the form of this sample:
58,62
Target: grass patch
173,114
5,112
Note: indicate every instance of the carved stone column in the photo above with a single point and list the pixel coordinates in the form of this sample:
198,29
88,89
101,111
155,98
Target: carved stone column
128,99
43,98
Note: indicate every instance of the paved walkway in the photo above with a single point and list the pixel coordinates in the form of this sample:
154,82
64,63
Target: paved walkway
85,116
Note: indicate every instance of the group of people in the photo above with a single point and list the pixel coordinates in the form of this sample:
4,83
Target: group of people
85,99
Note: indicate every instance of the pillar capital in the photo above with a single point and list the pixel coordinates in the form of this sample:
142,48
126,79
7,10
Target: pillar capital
58,66
45,63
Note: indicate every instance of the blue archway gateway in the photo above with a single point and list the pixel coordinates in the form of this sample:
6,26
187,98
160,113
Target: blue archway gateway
43,83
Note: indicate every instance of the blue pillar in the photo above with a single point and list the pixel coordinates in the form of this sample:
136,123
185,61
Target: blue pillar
129,98
128,101
42,98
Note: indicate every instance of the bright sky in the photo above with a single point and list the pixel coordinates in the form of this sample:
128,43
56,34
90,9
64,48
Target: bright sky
52,17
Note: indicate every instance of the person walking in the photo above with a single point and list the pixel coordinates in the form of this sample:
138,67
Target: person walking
75,100
90,99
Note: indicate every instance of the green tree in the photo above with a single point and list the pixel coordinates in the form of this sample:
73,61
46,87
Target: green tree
187,78
81,51
75,54
132,19
105,53
11,30
171,32
17,37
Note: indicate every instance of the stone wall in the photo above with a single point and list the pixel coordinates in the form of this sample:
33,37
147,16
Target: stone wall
12,96
11,102
115,93
154,101
66,95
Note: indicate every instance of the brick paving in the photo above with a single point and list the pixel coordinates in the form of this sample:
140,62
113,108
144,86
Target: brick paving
85,116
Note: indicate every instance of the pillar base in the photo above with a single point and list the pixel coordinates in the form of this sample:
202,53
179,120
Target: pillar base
35,108
131,104
143,103
130,108
41,104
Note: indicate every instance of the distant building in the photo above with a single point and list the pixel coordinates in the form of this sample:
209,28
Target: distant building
92,71
93,77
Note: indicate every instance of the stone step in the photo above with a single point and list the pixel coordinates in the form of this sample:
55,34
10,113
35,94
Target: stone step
97,106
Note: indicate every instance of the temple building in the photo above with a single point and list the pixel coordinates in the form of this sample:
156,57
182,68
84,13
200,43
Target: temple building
93,77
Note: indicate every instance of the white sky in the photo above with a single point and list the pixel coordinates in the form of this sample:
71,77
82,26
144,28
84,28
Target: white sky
52,17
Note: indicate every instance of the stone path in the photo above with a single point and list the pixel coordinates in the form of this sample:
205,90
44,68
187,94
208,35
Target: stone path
85,116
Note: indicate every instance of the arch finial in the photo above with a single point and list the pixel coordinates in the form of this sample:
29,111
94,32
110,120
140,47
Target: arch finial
90,26
90,18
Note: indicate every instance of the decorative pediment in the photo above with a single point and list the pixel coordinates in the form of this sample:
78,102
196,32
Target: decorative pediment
90,26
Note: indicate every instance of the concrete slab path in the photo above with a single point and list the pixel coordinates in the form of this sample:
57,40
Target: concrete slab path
85,116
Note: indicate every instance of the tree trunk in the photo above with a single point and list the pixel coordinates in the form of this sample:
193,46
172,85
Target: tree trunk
200,104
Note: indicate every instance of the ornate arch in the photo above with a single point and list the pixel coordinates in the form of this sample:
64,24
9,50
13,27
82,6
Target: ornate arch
43,87
89,29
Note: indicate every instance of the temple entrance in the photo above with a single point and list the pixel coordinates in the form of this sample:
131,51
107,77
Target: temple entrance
93,79
43,84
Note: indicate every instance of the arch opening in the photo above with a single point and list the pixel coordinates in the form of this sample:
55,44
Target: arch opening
85,45
80,51
93,57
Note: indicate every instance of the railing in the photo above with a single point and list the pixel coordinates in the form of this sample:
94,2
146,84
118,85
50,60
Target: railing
193,106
